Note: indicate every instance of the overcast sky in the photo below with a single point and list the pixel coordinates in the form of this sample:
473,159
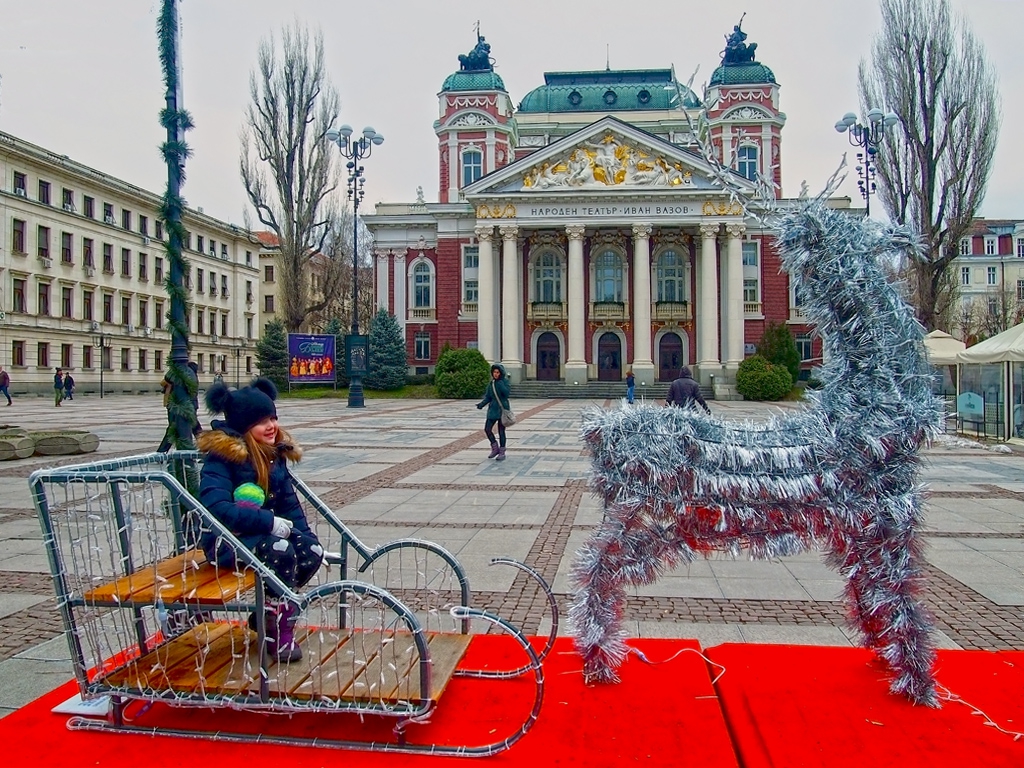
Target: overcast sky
81,77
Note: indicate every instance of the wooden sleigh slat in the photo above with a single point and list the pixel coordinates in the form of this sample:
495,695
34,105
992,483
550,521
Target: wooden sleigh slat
185,578
222,659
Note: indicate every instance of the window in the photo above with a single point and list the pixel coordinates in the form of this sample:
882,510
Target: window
18,353
143,313
126,310
19,183
43,299
200,321
158,314
18,236
108,213
44,192
248,292
746,162
1020,290
471,257
993,306
965,246
143,266
268,273
144,225
248,327
213,283
87,257
19,295
125,359
142,360
158,269
991,246
158,360
108,258
224,324
199,281
43,354
422,346
268,303
65,355
87,355
804,346
422,284
965,275
43,241
126,262
66,247
248,363
200,241
213,247
471,292
87,305
608,277
750,291
223,285
67,304
749,253
472,166
158,228
108,307
201,362
248,258
126,219
1020,247
223,250
89,207
68,199
671,282
991,276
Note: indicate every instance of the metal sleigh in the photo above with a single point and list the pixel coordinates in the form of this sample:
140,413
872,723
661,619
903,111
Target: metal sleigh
382,630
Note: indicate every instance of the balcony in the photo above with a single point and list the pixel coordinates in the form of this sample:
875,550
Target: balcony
671,310
797,315
608,310
546,311
752,308
468,308
421,315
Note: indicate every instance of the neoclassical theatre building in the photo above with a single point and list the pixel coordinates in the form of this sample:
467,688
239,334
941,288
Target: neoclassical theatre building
577,235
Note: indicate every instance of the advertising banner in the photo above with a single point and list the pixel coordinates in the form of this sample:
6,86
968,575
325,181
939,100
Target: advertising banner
310,358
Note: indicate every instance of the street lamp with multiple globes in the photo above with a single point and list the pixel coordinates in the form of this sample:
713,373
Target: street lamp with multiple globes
867,137
356,346
102,341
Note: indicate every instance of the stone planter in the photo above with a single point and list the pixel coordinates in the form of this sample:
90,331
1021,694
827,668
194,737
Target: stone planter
61,443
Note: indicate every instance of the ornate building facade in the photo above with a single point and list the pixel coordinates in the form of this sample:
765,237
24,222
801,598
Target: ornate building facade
577,236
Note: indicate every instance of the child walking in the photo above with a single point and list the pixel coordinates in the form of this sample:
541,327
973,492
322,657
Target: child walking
245,484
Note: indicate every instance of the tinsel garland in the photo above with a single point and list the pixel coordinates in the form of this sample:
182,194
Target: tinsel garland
840,474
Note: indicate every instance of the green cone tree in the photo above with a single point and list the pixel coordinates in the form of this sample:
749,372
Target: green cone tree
272,353
387,353
778,347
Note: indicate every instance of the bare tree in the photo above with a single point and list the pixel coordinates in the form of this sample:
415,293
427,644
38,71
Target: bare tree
1002,310
929,68
288,168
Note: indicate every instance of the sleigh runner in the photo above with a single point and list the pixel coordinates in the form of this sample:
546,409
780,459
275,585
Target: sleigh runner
382,630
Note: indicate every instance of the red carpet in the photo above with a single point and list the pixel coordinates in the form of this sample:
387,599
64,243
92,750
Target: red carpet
830,707
660,715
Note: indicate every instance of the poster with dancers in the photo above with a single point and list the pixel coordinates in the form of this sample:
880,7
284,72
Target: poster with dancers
310,358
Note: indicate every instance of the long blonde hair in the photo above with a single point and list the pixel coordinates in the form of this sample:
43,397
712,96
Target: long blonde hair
261,455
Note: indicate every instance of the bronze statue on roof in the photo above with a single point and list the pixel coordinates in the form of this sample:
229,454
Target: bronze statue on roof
479,59
737,51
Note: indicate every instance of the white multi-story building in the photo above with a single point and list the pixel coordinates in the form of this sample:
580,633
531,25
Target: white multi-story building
990,275
82,271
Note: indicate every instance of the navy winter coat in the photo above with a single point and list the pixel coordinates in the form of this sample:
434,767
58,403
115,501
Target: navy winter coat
226,467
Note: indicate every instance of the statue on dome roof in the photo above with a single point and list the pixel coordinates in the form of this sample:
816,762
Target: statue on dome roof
479,59
737,51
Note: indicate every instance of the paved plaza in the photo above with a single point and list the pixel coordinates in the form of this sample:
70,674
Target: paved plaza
419,468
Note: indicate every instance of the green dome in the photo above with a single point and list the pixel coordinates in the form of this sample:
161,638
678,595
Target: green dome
479,80
750,73
608,91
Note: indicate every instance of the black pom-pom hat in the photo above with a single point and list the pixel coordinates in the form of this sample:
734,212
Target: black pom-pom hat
243,408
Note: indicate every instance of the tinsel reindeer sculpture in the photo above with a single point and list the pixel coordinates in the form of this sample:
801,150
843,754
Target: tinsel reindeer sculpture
838,475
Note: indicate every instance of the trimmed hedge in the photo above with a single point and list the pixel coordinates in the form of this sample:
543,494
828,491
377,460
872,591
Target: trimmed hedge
461,374
757,379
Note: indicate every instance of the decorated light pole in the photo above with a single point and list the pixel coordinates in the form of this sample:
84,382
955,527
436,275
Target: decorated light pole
356,346
867,137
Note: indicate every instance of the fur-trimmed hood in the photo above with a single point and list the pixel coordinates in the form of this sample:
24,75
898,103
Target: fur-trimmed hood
224,442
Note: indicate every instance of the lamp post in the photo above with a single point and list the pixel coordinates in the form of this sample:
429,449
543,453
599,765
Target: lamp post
238,358
356,346
867,137
102,340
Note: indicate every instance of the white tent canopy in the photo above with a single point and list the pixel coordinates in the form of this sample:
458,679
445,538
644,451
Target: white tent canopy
942,348
1006,347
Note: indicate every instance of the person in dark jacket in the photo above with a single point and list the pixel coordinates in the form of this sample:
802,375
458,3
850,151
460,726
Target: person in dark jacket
684,392
250,447
69,386
495,398
630,386
58,387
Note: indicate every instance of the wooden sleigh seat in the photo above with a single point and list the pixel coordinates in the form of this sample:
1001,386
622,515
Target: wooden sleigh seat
383,630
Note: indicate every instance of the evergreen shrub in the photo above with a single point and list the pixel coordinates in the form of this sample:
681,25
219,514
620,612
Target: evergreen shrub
387,354
757,379
272,353
778,347
461,373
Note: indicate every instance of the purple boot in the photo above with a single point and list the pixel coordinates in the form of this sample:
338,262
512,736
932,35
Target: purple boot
494,451
501,454
281,643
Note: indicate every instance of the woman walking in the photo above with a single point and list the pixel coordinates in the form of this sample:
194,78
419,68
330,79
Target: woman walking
496,399
630,386
58,387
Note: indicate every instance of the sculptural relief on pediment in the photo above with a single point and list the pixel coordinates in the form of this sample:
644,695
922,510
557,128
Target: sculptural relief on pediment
609,162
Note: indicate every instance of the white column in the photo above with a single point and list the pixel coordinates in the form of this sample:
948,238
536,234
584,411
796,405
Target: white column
487,297
732,298
383,269
643,363
401,281
511,304
707,311
576,362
